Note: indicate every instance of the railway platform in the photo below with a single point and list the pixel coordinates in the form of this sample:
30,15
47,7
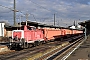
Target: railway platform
82,53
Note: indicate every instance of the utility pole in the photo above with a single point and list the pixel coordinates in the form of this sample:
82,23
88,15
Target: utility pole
26,18
74,23
54,19
14,10
85,32
20,21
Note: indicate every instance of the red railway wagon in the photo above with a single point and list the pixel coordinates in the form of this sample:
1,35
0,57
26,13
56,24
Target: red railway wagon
74,31
67,31
79,32
63,32
51,33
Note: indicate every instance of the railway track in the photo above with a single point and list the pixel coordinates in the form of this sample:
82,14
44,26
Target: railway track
29,53
58,52
69,51
16,55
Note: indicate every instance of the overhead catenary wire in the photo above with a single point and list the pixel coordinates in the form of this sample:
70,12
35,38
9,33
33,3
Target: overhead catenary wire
18,11
6,7
31,13
45,9
40,6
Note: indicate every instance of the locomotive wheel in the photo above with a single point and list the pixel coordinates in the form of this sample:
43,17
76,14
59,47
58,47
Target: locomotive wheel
52,40
24,44
41,43
38,43
30,45
47,41
44,42
34,44
61,39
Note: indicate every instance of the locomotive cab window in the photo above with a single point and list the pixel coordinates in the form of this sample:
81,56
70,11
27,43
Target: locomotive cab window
29,28
22,28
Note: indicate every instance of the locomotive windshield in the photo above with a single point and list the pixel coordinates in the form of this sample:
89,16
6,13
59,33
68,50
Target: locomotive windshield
28,28
31,28
22,28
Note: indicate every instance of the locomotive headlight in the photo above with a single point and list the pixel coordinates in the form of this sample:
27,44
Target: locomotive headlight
20,44
10,44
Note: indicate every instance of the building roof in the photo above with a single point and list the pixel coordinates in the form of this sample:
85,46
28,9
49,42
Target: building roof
87,23
36,24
